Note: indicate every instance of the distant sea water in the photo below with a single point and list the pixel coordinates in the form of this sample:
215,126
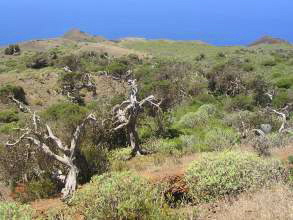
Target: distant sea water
225,22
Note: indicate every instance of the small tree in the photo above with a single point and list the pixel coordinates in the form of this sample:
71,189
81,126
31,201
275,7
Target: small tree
72,83
13,49
41,136
126,115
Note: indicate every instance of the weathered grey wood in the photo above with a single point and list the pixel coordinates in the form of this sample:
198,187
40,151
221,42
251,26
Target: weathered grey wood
126,116
39,137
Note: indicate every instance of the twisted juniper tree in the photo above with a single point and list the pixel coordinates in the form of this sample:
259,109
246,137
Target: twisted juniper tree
73,83
126,115
262,142
41,136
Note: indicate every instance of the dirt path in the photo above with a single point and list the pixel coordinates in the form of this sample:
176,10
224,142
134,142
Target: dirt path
283,153
46,204
172,167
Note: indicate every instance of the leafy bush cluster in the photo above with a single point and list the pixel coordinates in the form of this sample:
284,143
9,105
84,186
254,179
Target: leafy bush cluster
199,118
10,90
218,139
11,211
8,116
119,195
12,49
230,173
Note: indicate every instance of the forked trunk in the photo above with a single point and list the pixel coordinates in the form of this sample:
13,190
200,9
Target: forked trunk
134,141
70,182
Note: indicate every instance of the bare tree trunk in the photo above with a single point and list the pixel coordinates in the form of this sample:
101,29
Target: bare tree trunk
134,140
70,182
40,134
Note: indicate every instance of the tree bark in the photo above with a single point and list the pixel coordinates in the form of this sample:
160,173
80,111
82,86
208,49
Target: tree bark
134,140
70,182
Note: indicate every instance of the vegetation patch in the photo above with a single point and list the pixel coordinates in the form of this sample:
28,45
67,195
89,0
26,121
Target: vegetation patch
12,210
119,195
217,175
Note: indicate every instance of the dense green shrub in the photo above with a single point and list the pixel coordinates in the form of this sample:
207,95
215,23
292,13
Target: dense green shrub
217,139
39,189
251,120
117,69
193,120
189,143
269,61
120,154
7,128
283,97
12,49
72,61
199,118
13,211
226,79
8,116
170,146
248,67
119,195
168,79
200,57
217,175
221,54
239,102
96,158
260,86
118,157
290,159
11,90
38,61
65,113
285,82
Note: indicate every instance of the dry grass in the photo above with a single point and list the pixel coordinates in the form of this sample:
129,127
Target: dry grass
283,153
267,204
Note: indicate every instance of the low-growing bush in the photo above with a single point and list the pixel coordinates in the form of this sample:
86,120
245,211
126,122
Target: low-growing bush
65,113
217,139
11,90
39,189
120,154
119,195
240,102
170,146
217,175
248,67
7,128
8,116
269,61
38,61
285,82
189,143
198,118
166,146
12,210
118,157
12,49
283,97
247,120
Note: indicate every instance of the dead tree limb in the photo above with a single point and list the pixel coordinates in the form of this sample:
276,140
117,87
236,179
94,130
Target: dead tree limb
126,116
41,136
283,118
72,88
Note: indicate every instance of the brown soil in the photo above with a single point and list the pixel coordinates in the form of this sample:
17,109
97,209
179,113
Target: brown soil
169,169
46,204
283,153
269,40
